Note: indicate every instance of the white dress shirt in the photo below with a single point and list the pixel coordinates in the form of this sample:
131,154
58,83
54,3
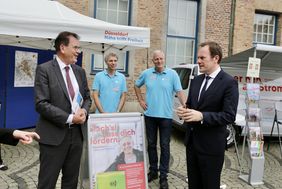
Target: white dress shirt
62,66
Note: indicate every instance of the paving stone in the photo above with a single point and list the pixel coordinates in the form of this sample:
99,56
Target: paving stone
23,164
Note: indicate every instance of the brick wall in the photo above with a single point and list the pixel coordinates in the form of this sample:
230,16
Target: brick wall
150,14
145,13
80,6
275,8
244,19
153,14
279,31
218,22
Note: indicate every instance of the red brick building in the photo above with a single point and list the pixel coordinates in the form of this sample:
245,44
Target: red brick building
178,26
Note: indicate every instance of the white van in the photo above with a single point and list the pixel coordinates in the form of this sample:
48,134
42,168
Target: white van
270,81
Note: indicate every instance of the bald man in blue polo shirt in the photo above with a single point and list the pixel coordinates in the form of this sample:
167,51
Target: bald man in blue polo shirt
109,87
161,85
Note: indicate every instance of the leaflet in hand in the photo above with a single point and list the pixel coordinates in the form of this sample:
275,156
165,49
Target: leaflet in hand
77,102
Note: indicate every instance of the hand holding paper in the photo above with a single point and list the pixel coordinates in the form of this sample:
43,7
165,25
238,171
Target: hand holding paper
79,117
189,115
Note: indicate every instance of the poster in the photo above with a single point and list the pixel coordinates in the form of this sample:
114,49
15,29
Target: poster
117,151
253,67
25,66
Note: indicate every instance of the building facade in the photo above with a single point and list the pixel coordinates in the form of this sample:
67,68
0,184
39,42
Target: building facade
178,26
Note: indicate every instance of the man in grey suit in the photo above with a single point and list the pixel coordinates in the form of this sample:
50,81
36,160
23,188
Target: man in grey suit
211,105
58,83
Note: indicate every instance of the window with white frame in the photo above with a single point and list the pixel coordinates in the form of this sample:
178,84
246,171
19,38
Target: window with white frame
114,11
264,29
181,34
117,12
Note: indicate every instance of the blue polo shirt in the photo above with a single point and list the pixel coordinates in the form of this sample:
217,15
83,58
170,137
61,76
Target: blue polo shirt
110,89
160,90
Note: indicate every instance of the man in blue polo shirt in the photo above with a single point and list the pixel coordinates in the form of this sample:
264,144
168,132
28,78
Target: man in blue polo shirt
109,87
161,85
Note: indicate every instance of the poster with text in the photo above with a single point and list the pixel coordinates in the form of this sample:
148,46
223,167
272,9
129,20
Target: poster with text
116,147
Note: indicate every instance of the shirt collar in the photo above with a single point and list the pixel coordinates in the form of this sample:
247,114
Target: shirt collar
214,74
163,72
106,73
61,63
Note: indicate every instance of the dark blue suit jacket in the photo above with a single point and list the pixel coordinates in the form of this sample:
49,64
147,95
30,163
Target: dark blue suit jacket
6,137
218,106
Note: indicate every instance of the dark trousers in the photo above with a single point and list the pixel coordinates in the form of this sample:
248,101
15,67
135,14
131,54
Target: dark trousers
65,157
204,170
163,125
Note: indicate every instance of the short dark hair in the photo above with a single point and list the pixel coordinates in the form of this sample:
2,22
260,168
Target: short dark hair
63,38
214,48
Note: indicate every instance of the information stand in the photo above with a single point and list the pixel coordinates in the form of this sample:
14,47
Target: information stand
253,131
254,138
116,146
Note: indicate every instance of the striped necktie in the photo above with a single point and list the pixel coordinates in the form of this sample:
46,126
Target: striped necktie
70,87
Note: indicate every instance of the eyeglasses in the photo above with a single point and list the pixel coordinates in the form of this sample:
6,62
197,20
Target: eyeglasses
77,48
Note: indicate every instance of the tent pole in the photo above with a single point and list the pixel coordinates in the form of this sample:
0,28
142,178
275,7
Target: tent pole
103,54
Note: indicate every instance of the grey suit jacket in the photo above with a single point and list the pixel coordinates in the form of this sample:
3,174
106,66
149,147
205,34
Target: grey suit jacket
52,101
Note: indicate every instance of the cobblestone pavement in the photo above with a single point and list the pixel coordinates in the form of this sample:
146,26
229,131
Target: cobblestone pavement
23,167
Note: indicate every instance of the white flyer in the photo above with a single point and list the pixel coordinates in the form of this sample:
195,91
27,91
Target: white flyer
253,67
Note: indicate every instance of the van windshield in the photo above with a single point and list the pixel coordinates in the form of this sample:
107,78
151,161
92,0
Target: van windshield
184,74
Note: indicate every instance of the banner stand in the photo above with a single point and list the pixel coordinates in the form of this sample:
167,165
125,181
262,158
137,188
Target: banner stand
116,152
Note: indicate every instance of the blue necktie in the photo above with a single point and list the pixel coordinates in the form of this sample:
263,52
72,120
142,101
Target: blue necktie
204,87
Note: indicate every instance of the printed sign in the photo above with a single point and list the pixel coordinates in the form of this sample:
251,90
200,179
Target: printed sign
253,67
117,151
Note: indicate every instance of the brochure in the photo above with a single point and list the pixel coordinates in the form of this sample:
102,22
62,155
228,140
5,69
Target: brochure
256,148
77,102
254,114
255,134
253,91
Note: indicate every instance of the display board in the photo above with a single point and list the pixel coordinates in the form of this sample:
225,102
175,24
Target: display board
17,71
116,147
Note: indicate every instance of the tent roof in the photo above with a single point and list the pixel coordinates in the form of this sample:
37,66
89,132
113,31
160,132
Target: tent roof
34,23
271,57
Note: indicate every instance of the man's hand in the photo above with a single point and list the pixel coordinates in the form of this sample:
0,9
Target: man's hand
25,137
79,117
189,115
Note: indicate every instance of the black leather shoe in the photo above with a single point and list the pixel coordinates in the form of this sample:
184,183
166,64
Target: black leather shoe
152,176
163,184
3,167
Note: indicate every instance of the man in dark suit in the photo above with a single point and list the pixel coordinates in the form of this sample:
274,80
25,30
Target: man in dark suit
211,105
58,84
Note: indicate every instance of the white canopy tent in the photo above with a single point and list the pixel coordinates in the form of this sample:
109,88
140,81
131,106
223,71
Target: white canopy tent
35,23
